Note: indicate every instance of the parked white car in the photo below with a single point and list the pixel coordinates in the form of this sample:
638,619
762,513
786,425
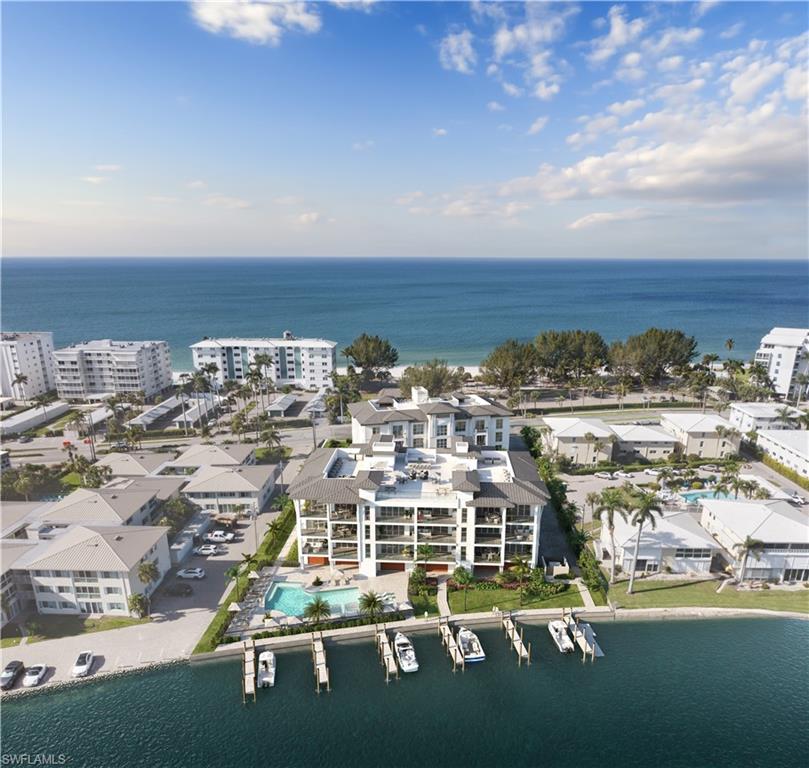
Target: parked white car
652,472
624,475
33,675
207,549
191,573
603,475
84,664
219,537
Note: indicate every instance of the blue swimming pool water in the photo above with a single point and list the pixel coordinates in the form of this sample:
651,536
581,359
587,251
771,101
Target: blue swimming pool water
708,494
293,598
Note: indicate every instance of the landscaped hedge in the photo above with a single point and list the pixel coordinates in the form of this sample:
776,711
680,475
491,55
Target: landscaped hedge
301,629
591,574
789,474
610,407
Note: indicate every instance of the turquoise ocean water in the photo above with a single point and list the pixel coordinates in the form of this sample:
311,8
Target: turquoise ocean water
690,694
456,309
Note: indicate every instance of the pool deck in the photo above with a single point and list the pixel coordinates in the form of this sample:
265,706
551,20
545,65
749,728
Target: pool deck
252,617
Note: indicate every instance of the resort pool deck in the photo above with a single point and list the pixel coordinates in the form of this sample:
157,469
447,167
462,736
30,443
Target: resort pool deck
693,496
292,599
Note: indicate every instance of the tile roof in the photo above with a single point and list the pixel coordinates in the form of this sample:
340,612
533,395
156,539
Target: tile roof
133,464
224,479
202,455
98,505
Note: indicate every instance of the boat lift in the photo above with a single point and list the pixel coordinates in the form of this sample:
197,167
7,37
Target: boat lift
386,656
450,644
249,671
583,635
319,661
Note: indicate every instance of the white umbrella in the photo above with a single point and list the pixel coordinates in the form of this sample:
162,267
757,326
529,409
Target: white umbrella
252,576
234,608
277,614
291,620
405,606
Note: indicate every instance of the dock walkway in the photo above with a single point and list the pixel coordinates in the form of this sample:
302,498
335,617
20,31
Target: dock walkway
515,637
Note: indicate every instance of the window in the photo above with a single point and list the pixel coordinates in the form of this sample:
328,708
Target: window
441,442
112,591
696,554
460,426
480,425
441,429
480,439
418,429
498,423
116,606
418,442
498,437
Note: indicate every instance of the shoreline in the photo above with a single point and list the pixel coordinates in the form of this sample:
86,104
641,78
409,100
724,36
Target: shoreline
531,616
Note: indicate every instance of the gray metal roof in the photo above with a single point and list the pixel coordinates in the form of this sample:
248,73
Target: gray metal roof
98,505
465,481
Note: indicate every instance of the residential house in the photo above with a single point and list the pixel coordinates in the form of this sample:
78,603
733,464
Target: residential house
706,435
581,441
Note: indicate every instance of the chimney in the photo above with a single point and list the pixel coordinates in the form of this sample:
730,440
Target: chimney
419,395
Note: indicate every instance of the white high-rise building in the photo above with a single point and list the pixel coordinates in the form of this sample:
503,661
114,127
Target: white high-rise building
27,354
305,363
785,354
104,367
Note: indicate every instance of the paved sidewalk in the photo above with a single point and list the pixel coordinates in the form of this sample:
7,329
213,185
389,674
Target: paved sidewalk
586,597
442,599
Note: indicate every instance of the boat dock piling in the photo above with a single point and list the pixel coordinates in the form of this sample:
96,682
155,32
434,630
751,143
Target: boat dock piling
319,661
249,671
386,656
514,635
583,636
449,642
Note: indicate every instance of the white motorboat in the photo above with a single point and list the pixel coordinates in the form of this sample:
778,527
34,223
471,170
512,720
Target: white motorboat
561,638
265,676
470,646
405,654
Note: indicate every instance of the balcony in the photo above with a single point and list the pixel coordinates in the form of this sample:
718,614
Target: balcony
314,510
344,513
345,553
490,518
344,533
395,556
316,548
519,534
487,558
488,541
394,534
437,518
515,517
312,531
436,536
402,517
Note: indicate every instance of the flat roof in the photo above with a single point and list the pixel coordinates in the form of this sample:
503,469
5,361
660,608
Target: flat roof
772,521
792,439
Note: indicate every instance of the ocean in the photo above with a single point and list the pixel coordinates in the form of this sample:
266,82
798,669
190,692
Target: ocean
670,694
454,309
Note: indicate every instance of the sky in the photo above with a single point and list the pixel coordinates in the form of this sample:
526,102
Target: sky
522,130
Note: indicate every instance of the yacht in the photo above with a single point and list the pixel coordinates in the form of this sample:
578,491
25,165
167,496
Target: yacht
405,654
470,646
265,675
561,638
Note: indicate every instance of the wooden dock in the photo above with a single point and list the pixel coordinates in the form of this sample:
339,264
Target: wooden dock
320,666
386,656
249,671
514,635
583,636
450,644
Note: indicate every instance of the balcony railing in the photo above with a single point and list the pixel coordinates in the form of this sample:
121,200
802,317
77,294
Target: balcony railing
342,514
344,554
488,541
313,511
398,518
425,537
513,517
489,519
321,532
487,558
519,535
437,518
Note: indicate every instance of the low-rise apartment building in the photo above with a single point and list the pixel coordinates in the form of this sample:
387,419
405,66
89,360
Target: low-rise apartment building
782,530
643,441
753,417
95,369
104,506
789,447
702,434
421,421
303,363
234,489
785,354
378,508
678,543
580,441
28,354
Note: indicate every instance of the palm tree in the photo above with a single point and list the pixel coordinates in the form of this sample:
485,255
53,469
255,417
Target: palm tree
20,380
210,370
729,344
182,393
642,508
745,549
262,363
41,401
137,604
802,380
462,578
371,604
591,499
237,425
271,437
521,568
199,383
424,552
148,573
24,484
784,416
610,503
317,610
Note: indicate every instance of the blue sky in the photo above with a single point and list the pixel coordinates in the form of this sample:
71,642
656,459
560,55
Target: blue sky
570,130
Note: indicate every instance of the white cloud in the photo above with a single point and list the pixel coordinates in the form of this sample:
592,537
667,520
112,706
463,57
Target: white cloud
511,89
796,84
630,69
162,199
108,168
624,108
732,30
670,63
754,76
592,130
593,219
226,202
543,24
537,125
361,146
677,92
308,218
196,184
440,131
409,198
495,106
263,23
94,179
621,33
672,38
457,53
288,200
702,7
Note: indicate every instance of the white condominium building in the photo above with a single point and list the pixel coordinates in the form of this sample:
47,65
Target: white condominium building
749,417
29,355
785,354
305,363
104,367
421,421
378,507
789,447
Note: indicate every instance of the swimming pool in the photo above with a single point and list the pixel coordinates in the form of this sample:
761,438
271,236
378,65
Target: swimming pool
291,599
693,496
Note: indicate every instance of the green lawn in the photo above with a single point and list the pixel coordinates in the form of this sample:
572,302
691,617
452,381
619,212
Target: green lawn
672,594
479,600
421,604
10,636
266,455
50,627
73,479
56,424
